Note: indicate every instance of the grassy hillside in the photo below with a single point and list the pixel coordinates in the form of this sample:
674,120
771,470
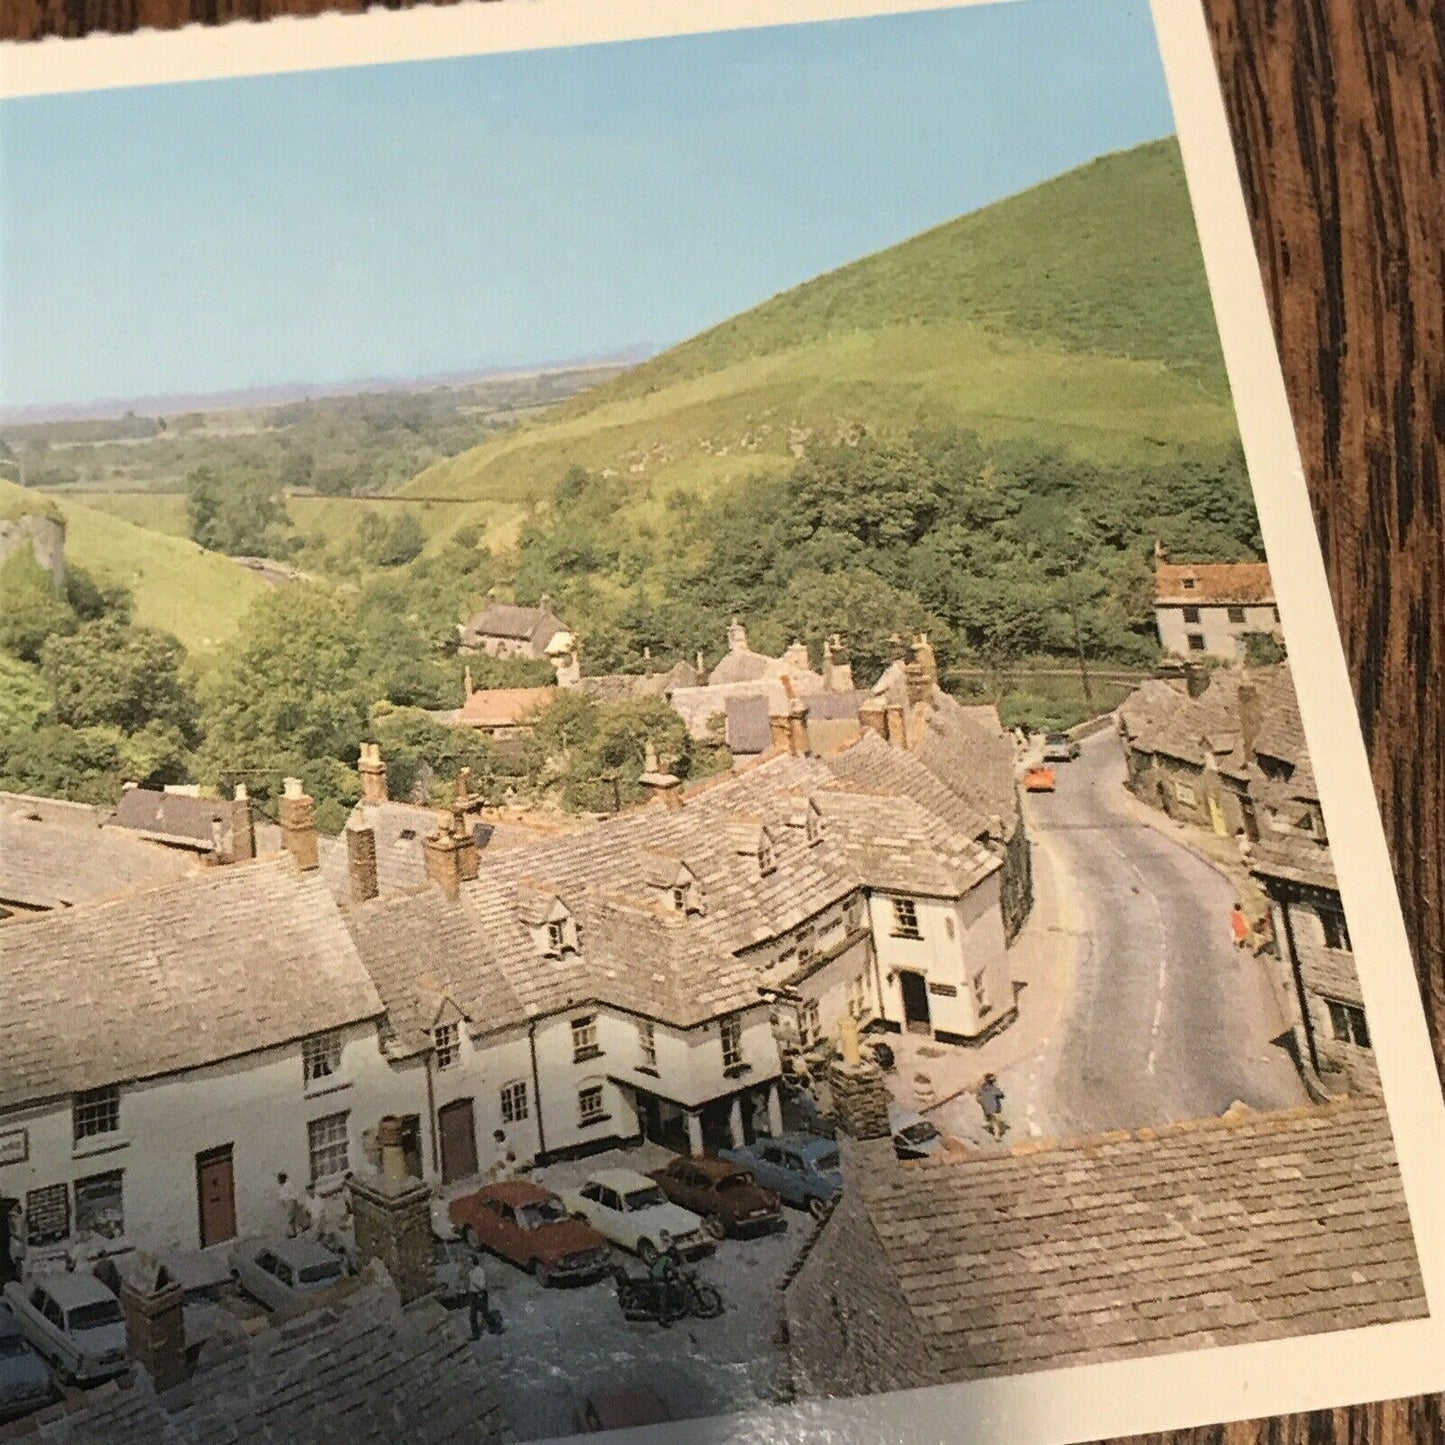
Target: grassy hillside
1102,260
197,595
1075,314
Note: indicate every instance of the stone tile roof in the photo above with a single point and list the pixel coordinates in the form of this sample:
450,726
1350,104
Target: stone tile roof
536,625
221,963
971,756
874,766
749,730
1254,1226
173,817
628,686
46,864
400,860
502,706
358,1370
1215,583
52,810
1162,718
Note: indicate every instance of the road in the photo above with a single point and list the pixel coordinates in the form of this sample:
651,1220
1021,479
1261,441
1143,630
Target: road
1167,1020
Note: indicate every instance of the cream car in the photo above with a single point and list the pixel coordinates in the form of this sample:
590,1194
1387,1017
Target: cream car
629,1209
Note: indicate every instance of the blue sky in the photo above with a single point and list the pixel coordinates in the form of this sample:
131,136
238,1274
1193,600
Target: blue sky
411,219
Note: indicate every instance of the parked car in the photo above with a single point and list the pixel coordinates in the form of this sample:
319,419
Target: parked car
1040,780
1060,748
26,1383
914,1137
74,1321
631,1210
620,1410
530,1226
802,1168
279,1273
729,1199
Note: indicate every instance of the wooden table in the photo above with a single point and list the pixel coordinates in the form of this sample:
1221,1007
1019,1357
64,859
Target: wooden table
1338,110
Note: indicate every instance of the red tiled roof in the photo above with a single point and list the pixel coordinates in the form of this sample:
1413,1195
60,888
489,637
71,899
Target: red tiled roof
1214,582
503,706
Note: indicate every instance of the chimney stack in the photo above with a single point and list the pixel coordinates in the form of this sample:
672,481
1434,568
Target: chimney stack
1196,679
924,654
1250,718
778,726
860,1100
373,774
872,719
660,784
467,682
450,854
799,744
243,826
155,1330
897,649
469,803
361,862
298,824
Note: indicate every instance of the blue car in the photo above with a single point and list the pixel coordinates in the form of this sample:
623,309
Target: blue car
802,1168
25,1380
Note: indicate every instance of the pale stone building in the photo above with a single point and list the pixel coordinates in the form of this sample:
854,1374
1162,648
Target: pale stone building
1208,608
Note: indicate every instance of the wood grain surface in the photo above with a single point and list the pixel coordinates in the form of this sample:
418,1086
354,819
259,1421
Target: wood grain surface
1338,108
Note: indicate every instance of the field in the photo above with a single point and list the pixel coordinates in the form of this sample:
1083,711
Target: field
1008,321
197,595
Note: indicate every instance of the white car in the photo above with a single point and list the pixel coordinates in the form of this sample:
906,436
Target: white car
629,1209
279,1273
74,1321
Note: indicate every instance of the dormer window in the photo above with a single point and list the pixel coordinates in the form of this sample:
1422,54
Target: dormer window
448,1041
1188,584
679,899
813,825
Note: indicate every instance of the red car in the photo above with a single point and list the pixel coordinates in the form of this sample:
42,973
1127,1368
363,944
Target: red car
530,1226
727,1196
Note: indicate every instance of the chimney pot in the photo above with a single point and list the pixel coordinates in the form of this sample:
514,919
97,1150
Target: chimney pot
373,774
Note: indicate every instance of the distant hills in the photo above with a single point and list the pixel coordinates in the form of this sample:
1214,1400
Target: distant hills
1076,314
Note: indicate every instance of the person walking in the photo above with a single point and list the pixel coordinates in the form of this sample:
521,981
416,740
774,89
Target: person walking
1239,926
990,1100
477,1301
290,1199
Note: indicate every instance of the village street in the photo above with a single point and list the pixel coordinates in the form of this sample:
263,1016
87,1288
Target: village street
1165,1019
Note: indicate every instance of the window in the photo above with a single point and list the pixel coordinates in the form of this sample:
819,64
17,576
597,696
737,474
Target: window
514,1101
589,1104
1337,933
857,996
732,1043
326,1141
584,1039
1189,584
810,1027
449,1044
320,1057
47,1214
1196,642
1236,614
1185,793
96,1112
980,995
1191,614
647,1041
556,935
905,919
679,899
855,914
98,1207
1349,1024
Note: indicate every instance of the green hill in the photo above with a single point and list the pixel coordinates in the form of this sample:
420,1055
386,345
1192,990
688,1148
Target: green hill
1075,314
198,596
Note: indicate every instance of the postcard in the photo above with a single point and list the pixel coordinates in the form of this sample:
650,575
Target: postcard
672,749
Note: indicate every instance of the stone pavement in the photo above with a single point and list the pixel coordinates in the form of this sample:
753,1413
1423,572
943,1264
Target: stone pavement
1042,961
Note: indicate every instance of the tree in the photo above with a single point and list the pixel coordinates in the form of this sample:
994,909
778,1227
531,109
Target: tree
31,610
240,515
107,674
285,696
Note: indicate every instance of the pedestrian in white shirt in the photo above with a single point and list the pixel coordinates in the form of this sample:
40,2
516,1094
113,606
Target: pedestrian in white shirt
477,1298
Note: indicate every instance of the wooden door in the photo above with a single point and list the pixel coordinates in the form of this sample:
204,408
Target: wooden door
458,1133
216,1193
915,1002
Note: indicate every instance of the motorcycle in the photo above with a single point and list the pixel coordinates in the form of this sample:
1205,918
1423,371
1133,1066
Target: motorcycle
667,1300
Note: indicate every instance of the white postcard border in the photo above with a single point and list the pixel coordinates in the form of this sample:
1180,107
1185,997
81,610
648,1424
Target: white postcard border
1127,1397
